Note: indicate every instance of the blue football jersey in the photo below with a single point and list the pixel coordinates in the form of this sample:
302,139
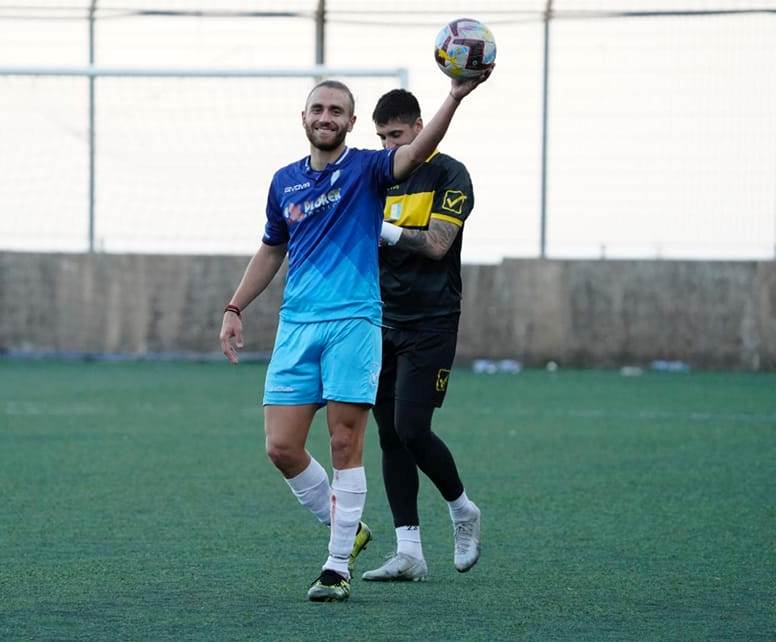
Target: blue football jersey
331,221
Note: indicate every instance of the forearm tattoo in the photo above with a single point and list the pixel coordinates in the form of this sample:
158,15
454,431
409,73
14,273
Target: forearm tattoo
433,242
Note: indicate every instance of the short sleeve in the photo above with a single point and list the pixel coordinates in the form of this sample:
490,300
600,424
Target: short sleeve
453,195
381,165
275,229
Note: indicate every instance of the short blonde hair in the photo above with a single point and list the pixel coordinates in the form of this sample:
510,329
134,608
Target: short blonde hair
334,84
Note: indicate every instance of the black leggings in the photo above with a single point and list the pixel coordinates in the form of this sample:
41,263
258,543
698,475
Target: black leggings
408,443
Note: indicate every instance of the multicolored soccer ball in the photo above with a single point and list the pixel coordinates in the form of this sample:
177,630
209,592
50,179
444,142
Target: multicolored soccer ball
464,48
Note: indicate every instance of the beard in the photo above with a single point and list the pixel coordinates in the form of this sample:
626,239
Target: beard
325,147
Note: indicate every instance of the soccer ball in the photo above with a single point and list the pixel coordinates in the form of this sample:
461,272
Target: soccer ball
464,48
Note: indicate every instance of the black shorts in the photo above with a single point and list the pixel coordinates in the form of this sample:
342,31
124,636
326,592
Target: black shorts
416,365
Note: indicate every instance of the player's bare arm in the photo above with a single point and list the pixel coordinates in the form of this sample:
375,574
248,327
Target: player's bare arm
260,271
410,156
433,242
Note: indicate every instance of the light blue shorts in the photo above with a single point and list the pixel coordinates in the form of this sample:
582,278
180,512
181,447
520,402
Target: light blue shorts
324,361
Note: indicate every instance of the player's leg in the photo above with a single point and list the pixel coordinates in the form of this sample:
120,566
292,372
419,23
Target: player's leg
400,479
347,425
286,429
436,461
292,394
422,378
400,474
401,482
350,366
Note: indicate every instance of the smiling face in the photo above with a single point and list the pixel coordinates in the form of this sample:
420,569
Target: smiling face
328,117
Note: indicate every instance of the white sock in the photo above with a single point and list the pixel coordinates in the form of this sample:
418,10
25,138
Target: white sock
312,489
408,541
462,509
348,496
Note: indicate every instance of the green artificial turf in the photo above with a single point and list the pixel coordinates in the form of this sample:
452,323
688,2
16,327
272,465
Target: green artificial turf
137,503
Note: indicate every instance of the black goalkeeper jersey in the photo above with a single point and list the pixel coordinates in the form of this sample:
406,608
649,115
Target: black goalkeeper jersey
419,292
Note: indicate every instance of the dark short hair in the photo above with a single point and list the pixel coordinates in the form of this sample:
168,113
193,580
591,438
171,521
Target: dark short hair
397,104
334,84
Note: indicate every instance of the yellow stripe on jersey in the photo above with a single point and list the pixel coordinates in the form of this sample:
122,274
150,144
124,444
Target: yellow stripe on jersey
409,210
449,219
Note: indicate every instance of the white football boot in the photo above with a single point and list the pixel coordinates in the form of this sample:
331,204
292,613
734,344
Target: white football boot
467,542
399,568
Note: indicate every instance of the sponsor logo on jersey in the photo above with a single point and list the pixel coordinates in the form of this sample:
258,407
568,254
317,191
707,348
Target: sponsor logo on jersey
453,201
295,188
323,201
294,212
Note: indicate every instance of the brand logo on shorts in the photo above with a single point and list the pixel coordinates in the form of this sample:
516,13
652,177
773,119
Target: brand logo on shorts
281,388
443,376
374,374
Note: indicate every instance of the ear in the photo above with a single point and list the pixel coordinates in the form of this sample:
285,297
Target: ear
352,123
303,118
418,126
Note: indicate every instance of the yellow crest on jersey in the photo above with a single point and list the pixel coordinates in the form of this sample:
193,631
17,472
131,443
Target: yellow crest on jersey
453,201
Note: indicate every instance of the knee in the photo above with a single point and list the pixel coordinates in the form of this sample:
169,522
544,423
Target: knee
285,458
413,425
413,441
342,444
347,424
389,440
386,431
347,447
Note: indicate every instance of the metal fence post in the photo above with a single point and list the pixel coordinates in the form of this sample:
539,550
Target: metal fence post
92,9
545,108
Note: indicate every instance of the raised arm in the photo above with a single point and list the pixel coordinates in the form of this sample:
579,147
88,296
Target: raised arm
260,271
408,157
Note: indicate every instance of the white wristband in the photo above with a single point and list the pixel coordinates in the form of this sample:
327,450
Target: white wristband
390,233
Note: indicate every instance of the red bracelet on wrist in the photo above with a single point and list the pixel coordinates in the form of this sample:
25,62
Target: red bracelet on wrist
232,308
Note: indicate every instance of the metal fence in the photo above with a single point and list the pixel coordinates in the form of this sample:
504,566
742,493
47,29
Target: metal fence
610,129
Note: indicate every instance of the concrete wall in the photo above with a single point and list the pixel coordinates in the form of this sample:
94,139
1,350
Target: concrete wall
588,313
708,314
130,303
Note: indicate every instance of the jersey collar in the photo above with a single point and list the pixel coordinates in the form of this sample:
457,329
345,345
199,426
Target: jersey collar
339,160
